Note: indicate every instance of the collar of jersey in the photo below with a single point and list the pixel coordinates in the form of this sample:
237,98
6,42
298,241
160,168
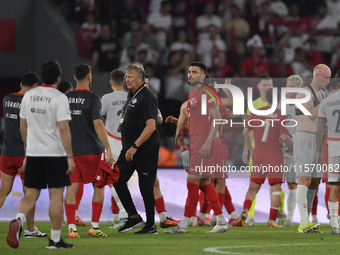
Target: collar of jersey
17,94
47,86
82,90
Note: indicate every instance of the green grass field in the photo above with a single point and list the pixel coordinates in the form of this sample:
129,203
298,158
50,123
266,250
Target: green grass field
247,240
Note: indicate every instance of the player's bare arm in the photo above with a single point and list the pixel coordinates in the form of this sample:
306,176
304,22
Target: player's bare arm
288,142
101,132
145,135
320,132
309,105
65,136
247,140
205,149
181,126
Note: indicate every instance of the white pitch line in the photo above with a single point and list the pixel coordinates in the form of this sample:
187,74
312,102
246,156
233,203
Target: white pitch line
217,249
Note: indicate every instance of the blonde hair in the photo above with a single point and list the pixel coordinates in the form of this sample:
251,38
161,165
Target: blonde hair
138,68
296,78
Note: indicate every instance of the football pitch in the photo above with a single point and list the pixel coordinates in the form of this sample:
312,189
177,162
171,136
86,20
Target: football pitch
247,240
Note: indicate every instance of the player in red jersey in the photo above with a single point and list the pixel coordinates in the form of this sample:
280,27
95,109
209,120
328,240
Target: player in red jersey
267,153
202,149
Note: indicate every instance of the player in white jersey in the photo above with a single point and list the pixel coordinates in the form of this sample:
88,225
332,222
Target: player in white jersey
293,81
44,128
329,115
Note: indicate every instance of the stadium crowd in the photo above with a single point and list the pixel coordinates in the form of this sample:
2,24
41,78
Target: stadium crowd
161,48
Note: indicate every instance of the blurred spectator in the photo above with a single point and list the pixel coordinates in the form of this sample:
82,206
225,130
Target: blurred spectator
300,65
175,85
134,26
130,57
313,56
222,69
149,38
127,13
113,28
263,28
180,18
335,61
333,7
75,11
280,69
142,52
208,49
224,8
206,20
324,31
154,82
90,30
182,44
155,6
106,51
279,8
256,64
237,32
161,24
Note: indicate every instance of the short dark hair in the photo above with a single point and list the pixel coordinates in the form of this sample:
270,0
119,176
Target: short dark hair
64,86
118,76
202,66
81,71
50,71
269,95
29,79
234,6
264,77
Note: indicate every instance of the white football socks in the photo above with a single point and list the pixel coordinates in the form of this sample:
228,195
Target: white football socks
291,203
310,199
333,213
55,235
162,216
184,222
301,200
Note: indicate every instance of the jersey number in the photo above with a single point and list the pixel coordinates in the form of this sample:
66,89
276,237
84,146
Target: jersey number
266,130
337,128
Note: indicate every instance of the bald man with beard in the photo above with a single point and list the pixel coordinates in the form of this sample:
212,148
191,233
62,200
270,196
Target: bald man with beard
305,147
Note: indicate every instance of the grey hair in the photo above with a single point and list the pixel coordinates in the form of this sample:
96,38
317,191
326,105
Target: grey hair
138,68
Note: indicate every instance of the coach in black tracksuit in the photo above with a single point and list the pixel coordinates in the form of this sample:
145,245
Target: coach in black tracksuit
140,149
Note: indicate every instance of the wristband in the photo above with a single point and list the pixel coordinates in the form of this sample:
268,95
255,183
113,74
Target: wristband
70,157
134,146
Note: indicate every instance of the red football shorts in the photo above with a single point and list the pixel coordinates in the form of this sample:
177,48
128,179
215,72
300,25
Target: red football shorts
86,168
270,167
10,165
211,166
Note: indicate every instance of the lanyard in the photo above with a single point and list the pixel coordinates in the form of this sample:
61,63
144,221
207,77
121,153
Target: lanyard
127,103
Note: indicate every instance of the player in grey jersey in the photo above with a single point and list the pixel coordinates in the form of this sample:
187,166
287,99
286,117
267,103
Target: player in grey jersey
293,81
329,116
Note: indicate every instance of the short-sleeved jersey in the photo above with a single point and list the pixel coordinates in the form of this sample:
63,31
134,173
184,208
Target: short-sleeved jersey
85,107
43,108
112,109
329,109
13,145
267,136
140,107
199,124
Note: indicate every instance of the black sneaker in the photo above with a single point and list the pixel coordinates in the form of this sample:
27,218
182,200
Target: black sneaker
59,245
131,224
15,229
147,230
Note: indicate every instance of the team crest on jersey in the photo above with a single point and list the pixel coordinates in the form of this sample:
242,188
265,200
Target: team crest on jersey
134,101
193,101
